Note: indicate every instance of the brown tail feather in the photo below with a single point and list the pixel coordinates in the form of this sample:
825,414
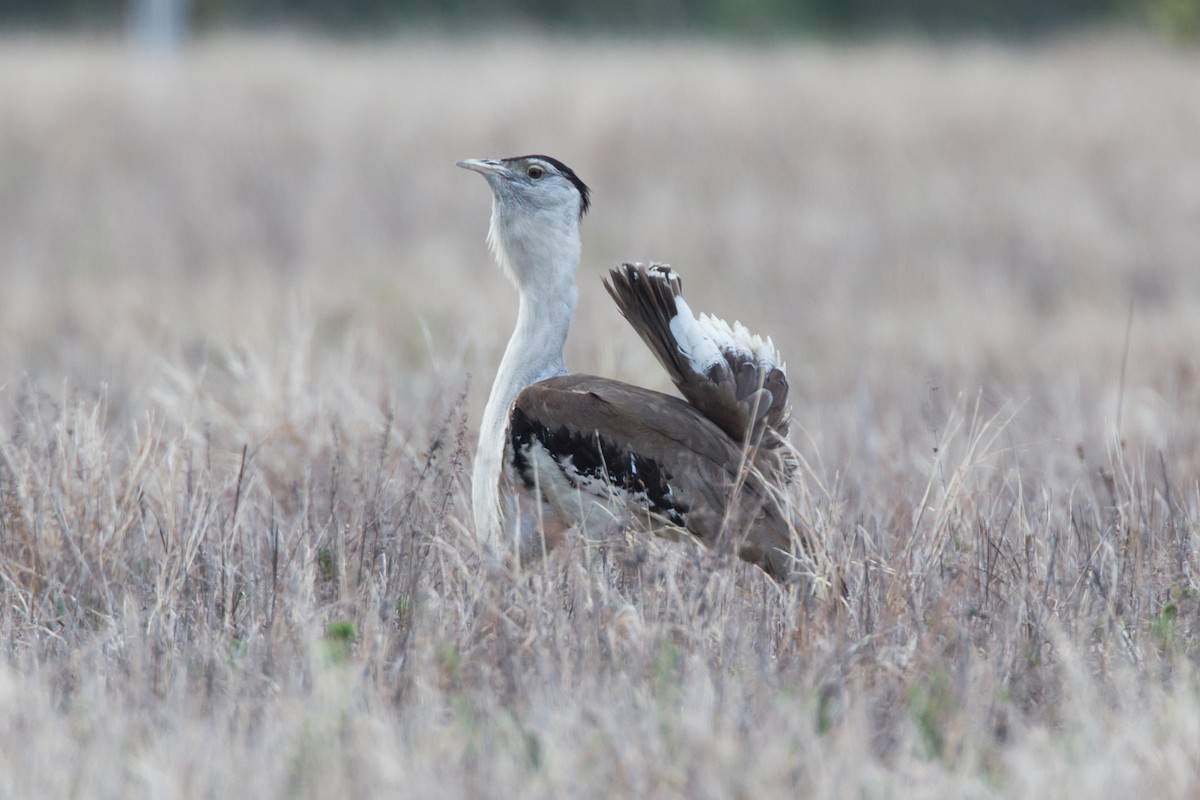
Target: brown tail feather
745,395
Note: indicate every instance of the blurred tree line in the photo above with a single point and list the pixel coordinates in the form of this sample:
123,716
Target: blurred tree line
819,17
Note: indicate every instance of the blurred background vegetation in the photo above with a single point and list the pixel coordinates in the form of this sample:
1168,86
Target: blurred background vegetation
1009,18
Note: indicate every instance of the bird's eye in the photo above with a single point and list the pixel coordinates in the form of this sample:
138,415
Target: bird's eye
535,171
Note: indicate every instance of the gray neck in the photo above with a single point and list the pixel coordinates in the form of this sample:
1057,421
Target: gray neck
534,353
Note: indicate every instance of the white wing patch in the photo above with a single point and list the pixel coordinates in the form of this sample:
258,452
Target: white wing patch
736,339
705,341
694,340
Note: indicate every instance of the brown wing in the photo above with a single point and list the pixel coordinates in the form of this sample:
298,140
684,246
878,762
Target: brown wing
658,452
710,363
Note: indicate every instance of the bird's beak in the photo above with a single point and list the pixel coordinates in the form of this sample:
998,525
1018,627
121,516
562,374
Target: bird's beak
484,166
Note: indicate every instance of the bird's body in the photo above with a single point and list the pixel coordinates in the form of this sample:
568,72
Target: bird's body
559,450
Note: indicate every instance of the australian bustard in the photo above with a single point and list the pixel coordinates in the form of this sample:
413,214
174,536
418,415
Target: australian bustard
559,449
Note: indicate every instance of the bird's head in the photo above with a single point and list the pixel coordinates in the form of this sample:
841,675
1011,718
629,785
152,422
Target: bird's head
537,203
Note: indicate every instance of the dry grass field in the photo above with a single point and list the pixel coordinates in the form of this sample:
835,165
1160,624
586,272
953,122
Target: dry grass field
248,321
